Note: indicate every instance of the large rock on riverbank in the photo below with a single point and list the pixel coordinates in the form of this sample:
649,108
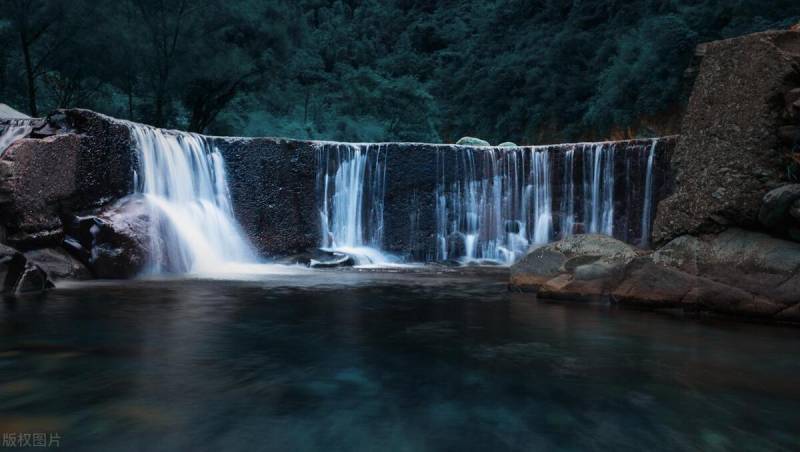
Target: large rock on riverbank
75,160
737,272
733,148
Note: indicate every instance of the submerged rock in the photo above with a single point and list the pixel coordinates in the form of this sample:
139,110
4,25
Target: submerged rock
472,141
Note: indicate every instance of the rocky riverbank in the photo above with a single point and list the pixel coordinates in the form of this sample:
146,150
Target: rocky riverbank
728,233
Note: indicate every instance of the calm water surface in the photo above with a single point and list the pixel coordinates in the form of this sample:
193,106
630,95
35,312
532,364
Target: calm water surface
385,362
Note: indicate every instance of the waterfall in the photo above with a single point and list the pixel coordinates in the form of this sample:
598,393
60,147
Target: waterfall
351,183
598,187
12,131
182,176
647,210
568,194
495,204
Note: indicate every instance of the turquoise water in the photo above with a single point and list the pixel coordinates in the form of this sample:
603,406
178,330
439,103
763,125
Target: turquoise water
384,362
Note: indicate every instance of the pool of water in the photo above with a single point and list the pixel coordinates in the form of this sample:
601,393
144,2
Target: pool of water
372,361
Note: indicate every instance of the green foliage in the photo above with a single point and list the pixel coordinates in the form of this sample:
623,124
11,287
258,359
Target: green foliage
369,70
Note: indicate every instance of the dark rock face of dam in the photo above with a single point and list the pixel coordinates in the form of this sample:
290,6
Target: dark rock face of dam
275,187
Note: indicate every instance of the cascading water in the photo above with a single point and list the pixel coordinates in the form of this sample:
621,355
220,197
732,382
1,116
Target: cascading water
568,194
598,185
13,131
182,176
647,210
351,182
494,203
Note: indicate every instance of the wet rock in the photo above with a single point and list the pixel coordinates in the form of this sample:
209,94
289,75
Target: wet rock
74,161
736,272
24,240
595,245
682,253
58,264
794,210
512,227
536,268
114,241
472,141
581,265
333,260
507,144
776,209
650,284
18,275
789,135
456,244
608,269
12,265
32,279
792,99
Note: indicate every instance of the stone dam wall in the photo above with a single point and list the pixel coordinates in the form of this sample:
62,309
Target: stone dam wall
78,161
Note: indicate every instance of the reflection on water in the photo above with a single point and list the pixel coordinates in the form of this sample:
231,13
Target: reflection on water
375,361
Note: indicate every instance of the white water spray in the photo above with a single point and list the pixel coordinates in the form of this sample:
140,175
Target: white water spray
497,203
351,182
182,176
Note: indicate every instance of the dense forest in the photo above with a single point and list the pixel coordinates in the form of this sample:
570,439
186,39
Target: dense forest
529,71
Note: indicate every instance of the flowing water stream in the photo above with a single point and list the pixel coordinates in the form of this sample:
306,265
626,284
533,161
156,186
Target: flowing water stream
192,226
351,184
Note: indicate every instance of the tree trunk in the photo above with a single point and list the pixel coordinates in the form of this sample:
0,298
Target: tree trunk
30,77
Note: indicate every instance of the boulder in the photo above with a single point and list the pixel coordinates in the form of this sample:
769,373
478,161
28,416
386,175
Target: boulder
536,268
580,266
507,144
794,210
18,275
32,279
12,265
114,242
471,141
775,213
649,284
762,265
736,272
682,253
94,161
729,154
58,264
